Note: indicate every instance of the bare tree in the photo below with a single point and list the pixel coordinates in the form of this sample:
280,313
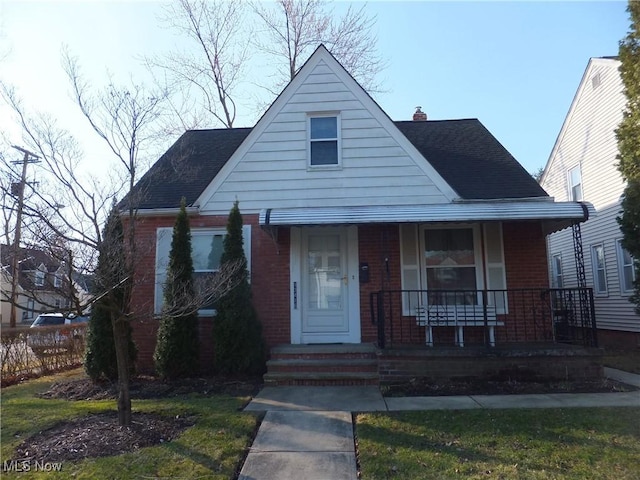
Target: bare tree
126,119
294,28
218,30
68,237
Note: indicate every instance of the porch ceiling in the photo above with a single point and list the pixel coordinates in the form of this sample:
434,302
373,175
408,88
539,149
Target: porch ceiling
554,215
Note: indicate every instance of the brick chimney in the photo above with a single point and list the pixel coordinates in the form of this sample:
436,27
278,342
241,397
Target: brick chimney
419,116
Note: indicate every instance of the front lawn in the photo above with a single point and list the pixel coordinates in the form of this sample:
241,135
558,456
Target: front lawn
627,360
580,443
210,449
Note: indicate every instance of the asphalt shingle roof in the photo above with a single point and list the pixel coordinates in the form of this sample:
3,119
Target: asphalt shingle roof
187,167
464,152
471,159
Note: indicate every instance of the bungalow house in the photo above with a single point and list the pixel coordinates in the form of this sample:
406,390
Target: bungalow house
360,232
582,166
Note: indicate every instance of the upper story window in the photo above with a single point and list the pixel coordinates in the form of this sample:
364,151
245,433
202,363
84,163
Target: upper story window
575,184
324,141
39,278
556,265
626,268
599,269
57,280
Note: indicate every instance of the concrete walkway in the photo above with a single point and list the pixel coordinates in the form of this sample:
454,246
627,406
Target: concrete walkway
307,432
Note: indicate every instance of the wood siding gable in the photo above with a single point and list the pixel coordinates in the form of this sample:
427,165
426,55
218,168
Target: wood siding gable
270,169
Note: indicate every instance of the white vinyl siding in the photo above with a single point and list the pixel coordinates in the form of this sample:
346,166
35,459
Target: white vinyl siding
588,139
375,167
206,250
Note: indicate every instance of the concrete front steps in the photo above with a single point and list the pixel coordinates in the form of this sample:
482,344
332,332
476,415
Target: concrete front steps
333,364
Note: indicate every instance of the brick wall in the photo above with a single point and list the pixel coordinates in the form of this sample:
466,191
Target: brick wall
525,252
561,363
269,278
525,258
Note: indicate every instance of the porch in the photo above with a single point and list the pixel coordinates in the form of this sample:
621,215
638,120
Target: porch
438,335
483,318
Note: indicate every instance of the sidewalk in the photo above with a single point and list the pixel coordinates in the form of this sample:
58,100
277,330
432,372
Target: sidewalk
307,432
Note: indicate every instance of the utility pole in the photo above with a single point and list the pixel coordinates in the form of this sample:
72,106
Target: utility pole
28,158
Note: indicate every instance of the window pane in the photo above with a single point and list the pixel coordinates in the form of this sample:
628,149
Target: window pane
206,252
449,247
324,153
324,272
324,127
575,184
451,278
627,274
203,282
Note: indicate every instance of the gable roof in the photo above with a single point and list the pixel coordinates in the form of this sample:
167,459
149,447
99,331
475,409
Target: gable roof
463,152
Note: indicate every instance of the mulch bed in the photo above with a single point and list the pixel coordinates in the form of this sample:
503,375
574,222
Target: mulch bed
144,387
99,435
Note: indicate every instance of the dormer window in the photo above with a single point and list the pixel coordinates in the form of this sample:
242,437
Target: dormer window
39,278
57,280
324,141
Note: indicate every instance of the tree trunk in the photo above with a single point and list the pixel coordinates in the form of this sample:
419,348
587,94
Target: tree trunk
122,345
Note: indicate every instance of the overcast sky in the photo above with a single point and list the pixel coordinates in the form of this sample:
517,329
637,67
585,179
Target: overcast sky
513,65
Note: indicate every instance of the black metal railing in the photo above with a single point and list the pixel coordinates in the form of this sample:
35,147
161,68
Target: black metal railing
484,317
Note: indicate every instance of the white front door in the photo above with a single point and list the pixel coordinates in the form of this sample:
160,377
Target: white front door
326,288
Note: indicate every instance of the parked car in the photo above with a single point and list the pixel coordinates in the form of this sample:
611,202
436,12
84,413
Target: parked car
50,340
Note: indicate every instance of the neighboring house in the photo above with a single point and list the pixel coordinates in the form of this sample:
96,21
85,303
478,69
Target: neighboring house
349,215
42,284
583,166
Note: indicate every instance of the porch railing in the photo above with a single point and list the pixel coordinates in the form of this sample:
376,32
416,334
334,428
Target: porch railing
483,317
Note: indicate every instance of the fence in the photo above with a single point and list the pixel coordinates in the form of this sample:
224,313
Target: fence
31,352
483,317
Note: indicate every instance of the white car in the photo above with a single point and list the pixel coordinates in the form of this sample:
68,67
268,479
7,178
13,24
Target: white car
50,340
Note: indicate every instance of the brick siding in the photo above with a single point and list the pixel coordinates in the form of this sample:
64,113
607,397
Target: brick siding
378,246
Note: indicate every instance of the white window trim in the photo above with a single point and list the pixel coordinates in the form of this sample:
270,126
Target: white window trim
571,185
57,281
620,258
417,233
477,251
39,278
338,139
162,263
594,270
555,273
31,308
